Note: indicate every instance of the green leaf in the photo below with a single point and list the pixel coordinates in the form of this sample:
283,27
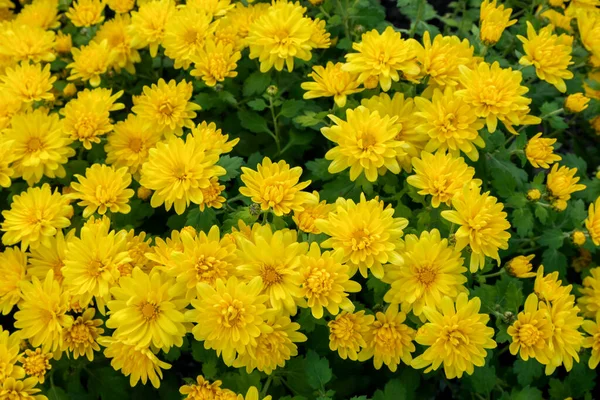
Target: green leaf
554,260
522,220
511,291
552,238
257,104
201,220
541,213
252,121
311,119
488,295
232,166
527,371
573,161
56,393
319,169
517,200
291,108
577,212
256,83
527,393
107,384
317,370
416,9
483,379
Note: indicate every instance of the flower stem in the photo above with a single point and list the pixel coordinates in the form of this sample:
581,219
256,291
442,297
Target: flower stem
275,126
552,113
265,388
493,274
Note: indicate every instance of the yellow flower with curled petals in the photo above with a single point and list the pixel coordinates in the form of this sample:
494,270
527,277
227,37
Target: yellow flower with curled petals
214,8
592,222
313,209
331,81
36,363
40,13
27,43
530,333
148,24
562,182
559,20
520,266
347,333
80,339
589,302
85,13
540,153
214,62
13,270
118,36
21,389
120,6
64,43
493,20
90,62
440,59
548,287
28,82
203,389
576,102
211,195
212,138
592,328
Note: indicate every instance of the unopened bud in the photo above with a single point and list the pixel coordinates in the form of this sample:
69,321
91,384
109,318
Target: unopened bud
272,90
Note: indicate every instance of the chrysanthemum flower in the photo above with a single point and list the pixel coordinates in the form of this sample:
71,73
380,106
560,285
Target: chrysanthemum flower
137,247
148,24
86,12
592,341
88,117
241,17
42,313
212,138
215,8
120,6
203,389
384,57
227,34
178,171
28,82
366,143
40,146
483,225
26,43
457,337
592,222
493,21
275,186
167,106
21,389
103,188
496,94
80,339
186,33
540,153
230,316
577,6
548,287
118,36
9,355
9,106
7,156
549,54
347,333
562,182
275,258
36,363
35,216
211,196
40,13
559,20
441,175
313,209
140,364
331,81
576,102
214,62
64,43
129,144
91,61
13,271
389,340
366,231
520,266
588,24
440,59
252,394
590,294
531,332
432,269
272,348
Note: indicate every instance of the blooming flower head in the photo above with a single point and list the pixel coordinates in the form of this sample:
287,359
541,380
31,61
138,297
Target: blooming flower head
548,287
273,348
118,36
64,43
103,188
576,102
214,8
561,182
549,54
36,363
593,341
331,81
211,196
520,266
432,269
482,225
120,6
366,143
40,146
457,337
493,21
389,340
441,58
559,20
35,216
80,339
43,259
13,269
531,332
27,43
383,57
166,106
9,106
203,389
540,153
86,12
177,171
28,82
41,13
496,94
9,355
366,232
347,333
275,186
313,209
42,313
589,302
91,61
214,62
588,24
21,389
148,24
441,175
252,394
230,316
592,222
163,252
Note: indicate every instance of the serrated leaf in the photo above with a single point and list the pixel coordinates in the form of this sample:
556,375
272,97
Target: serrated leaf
527,371
252,121
483,379
232,166
554,260
527,393
292,108
319,169
257,104
522,220
256,83
317,370
201,220
541,213
573,161
552,238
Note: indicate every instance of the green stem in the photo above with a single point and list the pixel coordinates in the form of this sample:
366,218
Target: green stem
265,218
552,113
413,28
275,125
493,274
265,389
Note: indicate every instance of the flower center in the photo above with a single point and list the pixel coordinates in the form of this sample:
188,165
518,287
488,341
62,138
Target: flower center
96,268
426,275
529,335
34,144
166,109
135,145
453,335
232,314
85,127
193,37
319,282
80,333
218,67
343,329
208,269
35,365
149,311
270,275
367,141
362,239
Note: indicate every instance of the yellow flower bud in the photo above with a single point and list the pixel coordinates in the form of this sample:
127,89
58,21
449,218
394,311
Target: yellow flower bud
559,205
534,195
598,174
540,153
143,193
70,90
315,2
63,43
521,267
576,102
578,238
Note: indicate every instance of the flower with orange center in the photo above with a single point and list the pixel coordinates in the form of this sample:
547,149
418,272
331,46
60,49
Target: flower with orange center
347,333
28,82
80,339
592,341
20,389
26,43
562,182
540,153
313,209
213,138
211,196
331,81
493,21
36,363
531,332
214,62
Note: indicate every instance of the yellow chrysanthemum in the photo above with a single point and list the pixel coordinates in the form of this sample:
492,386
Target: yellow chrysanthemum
230,316
431,270
520,266
203,389
576,6
576,102
313,209
366,232
40,146
43,259
331,81
213,138
440,59
441,175
166,106
389,340
118,36
272,348
41,13
148,24
103,189
496,94
6,158
35,216
215,8
540,153
178,171
140,364
80,339
578,238
383,57
347,333
482,225
214,62
592,222
21,389
366,143
252,394
42,313
9,106
120,6
85,13
493,21
589,302
549,54
163,252
137,247
592,341
457,337
559,20
90,62
275,186
9,355
242,17
211,196
562,182
64,43
588,24
548,287
28,82
26,43
36,363
531,332
186,33
13,271
129,144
